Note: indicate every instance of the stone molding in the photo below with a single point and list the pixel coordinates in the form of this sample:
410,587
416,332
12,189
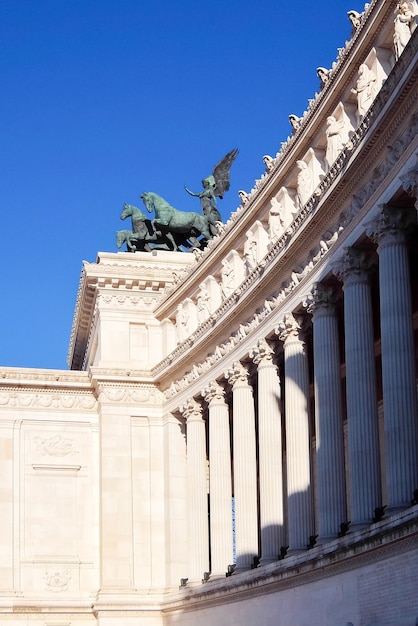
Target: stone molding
124,394
357,137
47,399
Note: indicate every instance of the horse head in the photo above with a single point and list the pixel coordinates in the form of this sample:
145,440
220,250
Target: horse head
127,211
148,201
121,237
132,211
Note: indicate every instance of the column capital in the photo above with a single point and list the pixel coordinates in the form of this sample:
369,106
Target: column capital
389,225
262,353
289,329
237,373
353,267
320,301
191,410
214,393
410,182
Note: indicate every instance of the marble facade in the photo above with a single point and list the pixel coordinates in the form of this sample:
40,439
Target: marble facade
236,440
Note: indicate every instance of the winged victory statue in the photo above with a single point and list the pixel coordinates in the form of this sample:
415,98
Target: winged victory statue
214,186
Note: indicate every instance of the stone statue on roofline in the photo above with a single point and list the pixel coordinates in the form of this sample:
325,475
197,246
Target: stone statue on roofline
215,186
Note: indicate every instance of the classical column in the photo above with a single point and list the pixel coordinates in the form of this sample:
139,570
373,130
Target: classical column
298,438
220,480
362,421
398,358
197,495
269,453
330,467
245,466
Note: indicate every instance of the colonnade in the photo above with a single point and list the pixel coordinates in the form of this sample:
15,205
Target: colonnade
288,495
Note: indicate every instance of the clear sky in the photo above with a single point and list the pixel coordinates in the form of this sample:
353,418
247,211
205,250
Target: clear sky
102,100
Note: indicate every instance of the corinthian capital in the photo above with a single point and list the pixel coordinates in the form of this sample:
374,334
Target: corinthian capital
288,328
214,392
320,301
354,266
262,352
390,224
191,409
237,373
410,182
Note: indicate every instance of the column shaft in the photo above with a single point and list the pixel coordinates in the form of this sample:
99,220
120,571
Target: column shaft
363,438
398,358
269,454
330,466
245,468
220,481
298,440
197,529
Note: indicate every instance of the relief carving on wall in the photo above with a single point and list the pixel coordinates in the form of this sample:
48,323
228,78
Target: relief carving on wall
47,400
55,446
58,580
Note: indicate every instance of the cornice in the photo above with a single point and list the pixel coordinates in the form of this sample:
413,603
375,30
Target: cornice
42,377
343,71
322,209
131,276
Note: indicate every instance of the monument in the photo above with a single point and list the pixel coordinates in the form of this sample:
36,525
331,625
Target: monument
236,440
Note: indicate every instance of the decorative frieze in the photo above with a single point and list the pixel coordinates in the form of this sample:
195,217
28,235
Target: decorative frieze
49,399
131,395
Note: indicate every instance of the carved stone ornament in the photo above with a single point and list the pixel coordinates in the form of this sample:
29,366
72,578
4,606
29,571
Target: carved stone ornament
262,353
47,400
57,580
354,266
191,410
214,393
390,224
130,395
55,446
320,301
237,373
289,328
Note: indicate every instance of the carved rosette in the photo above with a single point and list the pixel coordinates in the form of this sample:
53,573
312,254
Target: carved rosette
262,354
390,225
353,267
191,410
237,375
214,394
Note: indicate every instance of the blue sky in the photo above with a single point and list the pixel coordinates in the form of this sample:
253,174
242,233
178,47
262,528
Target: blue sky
105,99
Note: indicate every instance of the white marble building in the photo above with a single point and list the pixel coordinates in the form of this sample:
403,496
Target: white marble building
273,375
